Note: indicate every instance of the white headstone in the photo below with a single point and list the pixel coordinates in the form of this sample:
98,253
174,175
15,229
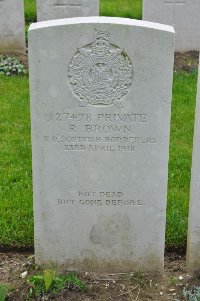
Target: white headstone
100,105
182,14
59,9
12,27
193,247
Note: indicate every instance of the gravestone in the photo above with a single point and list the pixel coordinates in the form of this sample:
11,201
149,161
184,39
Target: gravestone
59,9
100,109
182,14
12,27
193,244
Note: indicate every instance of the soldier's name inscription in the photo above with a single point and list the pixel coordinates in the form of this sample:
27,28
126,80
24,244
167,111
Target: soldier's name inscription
104,132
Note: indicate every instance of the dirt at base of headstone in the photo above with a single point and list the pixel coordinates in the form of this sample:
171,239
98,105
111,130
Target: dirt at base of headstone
186,61
103,287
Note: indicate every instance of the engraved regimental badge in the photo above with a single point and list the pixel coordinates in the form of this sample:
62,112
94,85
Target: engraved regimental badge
100,73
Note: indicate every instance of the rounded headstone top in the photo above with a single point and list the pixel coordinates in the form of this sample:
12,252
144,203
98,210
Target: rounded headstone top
101,20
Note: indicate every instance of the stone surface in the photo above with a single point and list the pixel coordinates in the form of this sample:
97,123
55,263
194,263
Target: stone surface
100,104
193,254
182,14
12,27
59,9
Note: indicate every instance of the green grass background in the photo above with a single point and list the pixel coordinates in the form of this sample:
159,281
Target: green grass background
16,222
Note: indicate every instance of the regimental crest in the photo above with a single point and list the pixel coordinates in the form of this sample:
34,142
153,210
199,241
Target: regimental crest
100,73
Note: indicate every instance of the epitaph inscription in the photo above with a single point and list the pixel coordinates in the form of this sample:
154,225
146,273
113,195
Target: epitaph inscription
99,199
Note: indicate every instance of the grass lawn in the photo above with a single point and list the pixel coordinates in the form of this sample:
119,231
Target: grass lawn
182,123
16,223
